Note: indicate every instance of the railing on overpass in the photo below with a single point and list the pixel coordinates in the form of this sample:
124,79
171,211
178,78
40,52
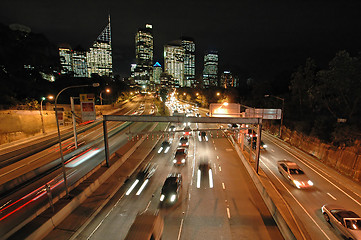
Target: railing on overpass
181,119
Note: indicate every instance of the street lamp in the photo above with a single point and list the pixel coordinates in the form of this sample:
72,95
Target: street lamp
101,99
59,137
218,94
283,107
41,111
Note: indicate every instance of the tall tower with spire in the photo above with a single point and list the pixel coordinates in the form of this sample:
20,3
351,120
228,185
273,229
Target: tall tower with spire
99,56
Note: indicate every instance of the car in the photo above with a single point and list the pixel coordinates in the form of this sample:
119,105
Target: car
183,141
262,146
204,175
164,147
143,177
171,189
293,173
233,125
202,136
345,221
180,156
187,131
250,133
172,128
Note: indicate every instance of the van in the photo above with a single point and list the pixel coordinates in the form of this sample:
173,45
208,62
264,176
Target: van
146,226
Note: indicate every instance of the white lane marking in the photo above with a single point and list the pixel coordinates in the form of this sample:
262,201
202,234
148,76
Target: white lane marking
314,166
272,150
217,157
101,222
215,148
224,187
329,194
228,213
180,229
220,169
295,199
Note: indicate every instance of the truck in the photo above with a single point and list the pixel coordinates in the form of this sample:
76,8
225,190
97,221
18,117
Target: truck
146,226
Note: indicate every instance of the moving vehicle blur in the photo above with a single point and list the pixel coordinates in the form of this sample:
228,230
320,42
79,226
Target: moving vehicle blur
146,226
143,177
164,147
346,222
171,189
202,136
180,156
183,141
294,174
204,175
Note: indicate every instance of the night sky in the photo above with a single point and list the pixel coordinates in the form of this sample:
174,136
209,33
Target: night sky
261,39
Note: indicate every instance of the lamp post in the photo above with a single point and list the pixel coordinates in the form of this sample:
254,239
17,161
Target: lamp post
283,108
101,98
59,137
41,112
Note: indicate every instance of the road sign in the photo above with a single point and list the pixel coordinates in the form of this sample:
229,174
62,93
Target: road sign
60,116
87,111
224,109
263,113
87,97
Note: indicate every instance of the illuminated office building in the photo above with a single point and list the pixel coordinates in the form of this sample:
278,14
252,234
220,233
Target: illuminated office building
189,61
174,62
66,59
157,71
228,80
144,55
210,71
99,56
80,66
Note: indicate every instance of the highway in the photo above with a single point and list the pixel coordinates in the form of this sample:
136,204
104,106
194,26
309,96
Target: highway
32,196
231,209
329,187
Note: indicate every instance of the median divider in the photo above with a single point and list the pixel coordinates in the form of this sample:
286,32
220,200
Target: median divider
287,222
48,221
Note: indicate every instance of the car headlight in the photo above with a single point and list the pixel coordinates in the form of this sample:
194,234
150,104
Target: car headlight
162,197
297,183
174,161
172,198
183,160
187,143
265,146
310,183
160,149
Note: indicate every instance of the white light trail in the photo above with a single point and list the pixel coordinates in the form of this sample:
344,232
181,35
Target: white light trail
132,187
142,187
199,178
210,178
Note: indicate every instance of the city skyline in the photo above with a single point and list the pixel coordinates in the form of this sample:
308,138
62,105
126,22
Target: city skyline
260,39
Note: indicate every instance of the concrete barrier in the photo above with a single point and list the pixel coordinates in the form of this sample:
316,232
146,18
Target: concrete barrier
281,213
57,218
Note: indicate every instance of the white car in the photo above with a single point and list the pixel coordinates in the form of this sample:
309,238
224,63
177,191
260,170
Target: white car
346,222
294,174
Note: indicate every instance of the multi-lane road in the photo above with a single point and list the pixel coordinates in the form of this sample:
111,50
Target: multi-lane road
231,209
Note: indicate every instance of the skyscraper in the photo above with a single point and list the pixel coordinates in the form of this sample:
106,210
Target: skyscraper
144,55
99,57
174,62
157,71
66,59
227,80
189,61
80,66
210,71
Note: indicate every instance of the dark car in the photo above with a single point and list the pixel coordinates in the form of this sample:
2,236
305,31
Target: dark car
187,130
164,147
204,176
142,178
180,156
172,128
251,133
253,141
171,189
345,221
183,141
202,136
